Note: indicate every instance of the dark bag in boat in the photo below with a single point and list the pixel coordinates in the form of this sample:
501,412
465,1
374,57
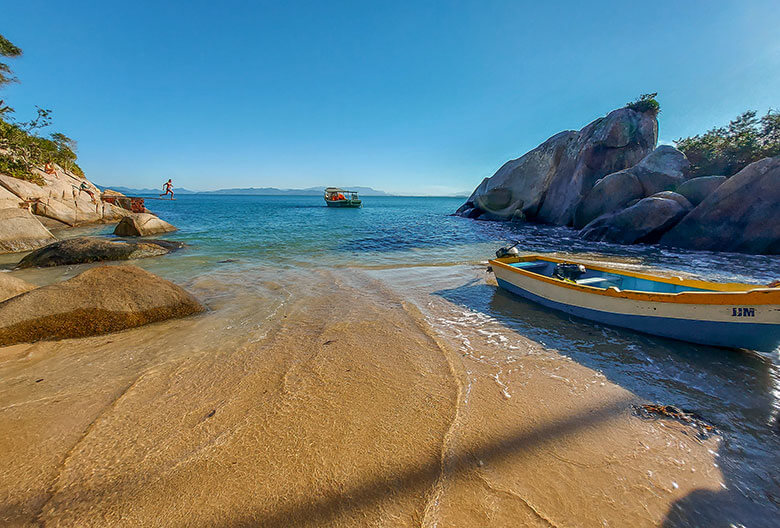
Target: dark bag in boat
570,272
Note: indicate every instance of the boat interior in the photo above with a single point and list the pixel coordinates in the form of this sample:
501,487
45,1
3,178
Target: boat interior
606,279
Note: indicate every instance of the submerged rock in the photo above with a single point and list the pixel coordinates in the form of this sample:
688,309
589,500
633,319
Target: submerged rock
645,222
741,215
142,224
21,231
696,190
84,250
100,300
547,183
11,286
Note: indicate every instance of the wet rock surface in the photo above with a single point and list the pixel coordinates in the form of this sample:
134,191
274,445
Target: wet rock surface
84,250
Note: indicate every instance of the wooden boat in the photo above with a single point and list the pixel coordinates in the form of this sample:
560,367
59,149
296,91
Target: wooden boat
336,197
719,314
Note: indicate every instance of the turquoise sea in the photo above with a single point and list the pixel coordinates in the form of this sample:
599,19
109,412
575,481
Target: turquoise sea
417,249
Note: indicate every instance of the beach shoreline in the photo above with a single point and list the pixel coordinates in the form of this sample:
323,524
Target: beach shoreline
316,397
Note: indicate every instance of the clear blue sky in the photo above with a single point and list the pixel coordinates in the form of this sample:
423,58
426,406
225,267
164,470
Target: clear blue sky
413,97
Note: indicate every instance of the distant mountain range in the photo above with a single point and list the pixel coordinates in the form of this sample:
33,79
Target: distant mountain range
266,191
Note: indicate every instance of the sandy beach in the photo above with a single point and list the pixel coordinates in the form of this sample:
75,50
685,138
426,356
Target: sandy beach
326,398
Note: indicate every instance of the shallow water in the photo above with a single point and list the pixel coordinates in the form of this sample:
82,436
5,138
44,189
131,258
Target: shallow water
250,256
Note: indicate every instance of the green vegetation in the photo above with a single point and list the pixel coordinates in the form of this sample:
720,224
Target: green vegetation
646,103
21,148
727,150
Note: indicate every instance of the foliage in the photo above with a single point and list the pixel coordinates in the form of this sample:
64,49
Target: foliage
646,103
727,150
7,49
21,147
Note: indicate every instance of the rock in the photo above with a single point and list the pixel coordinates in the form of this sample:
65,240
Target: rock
51,224
11,286
56,211
697,189
611,193
741,215
113,213
84,250
111,192
679,198
21,231
547,183
98,301
661,170
24,190
8,200
643,222
142,224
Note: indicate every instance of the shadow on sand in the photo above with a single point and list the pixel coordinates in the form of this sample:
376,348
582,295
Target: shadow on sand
734,390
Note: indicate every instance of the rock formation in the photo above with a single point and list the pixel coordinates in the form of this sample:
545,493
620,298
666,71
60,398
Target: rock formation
63,200
21,231
142,224
98,301
697,189
11,286
644,221
742,214
547,183
84,250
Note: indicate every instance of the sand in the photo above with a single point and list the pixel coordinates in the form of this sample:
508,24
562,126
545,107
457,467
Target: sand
328,398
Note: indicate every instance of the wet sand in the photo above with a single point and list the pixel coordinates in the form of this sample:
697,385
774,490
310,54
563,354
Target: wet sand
329,398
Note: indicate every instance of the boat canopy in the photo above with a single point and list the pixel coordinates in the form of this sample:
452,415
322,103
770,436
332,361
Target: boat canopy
331,190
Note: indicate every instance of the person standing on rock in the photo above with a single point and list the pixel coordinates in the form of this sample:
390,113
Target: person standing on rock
168,188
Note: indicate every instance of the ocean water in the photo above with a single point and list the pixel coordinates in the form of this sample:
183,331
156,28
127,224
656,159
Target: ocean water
254,248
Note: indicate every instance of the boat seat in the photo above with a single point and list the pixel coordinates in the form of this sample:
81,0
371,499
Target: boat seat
530,265
591,281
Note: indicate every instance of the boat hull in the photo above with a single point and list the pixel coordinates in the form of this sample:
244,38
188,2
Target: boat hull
733,319
344,203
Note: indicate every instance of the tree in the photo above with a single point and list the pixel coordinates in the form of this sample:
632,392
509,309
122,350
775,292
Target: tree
646,103
727,150
7,49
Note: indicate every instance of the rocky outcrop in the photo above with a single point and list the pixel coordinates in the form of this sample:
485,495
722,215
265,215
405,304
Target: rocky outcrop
547,183
663,169
696,190
741,215
84,250
679,198
142,224
11,286
21,231
98,301
644,221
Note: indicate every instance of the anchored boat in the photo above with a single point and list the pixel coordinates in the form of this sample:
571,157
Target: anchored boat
719,314
336,197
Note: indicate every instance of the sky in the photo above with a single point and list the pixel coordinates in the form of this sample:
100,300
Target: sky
421,97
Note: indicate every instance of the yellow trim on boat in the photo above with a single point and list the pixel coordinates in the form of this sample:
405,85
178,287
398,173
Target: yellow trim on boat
725,293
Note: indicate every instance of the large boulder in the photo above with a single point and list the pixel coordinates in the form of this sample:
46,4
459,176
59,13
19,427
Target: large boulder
679,198
84,250
21,231
98,301
11,286
611,193
741,215
56,210
697,189
661,170
8,200
548,182
643,222
142,224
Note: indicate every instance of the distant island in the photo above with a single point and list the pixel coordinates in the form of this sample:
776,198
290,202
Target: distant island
265,191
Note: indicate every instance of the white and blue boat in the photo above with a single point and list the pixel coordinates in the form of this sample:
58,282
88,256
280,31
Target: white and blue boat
720,314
